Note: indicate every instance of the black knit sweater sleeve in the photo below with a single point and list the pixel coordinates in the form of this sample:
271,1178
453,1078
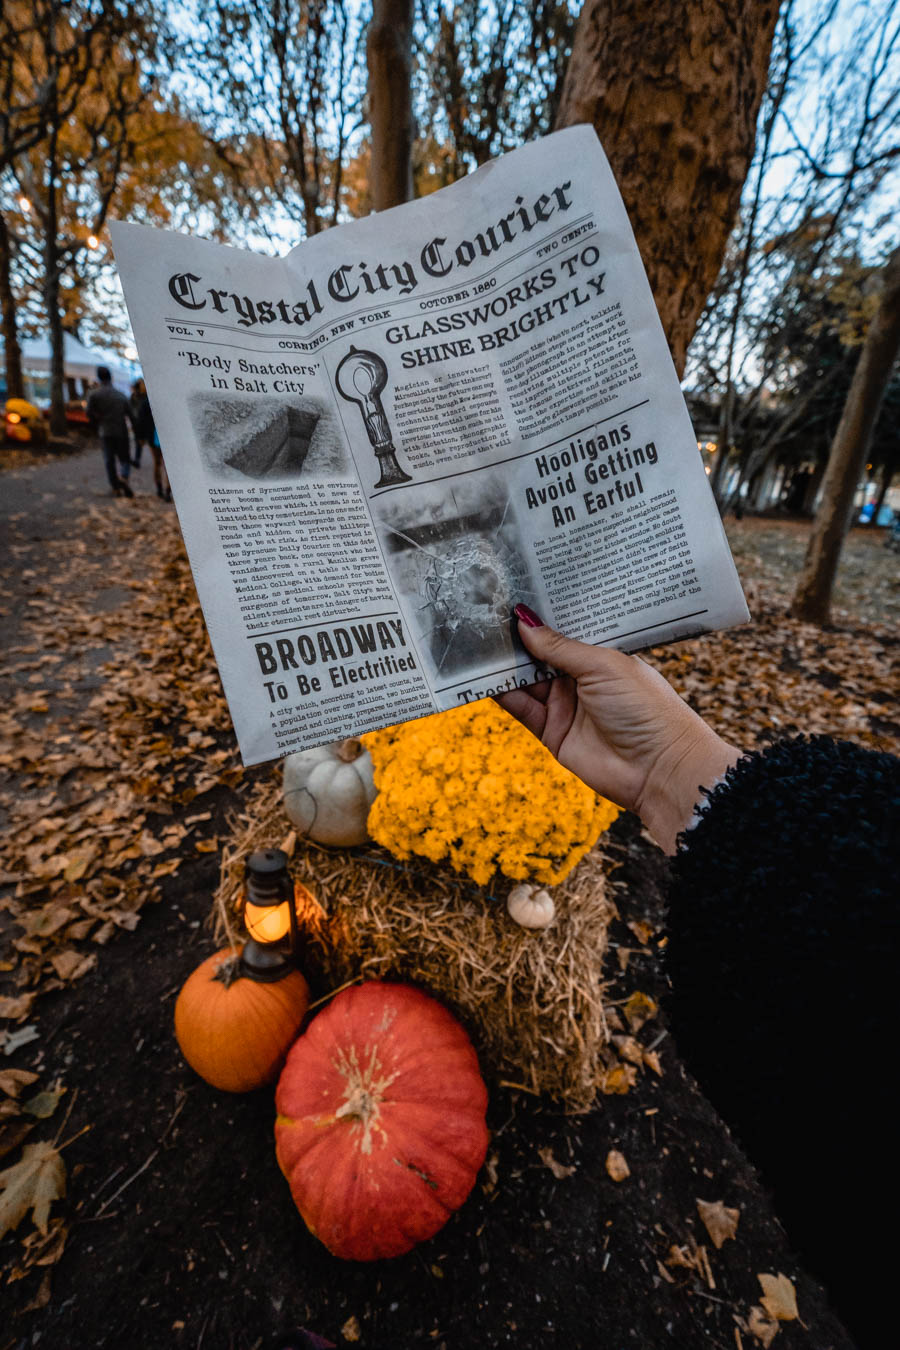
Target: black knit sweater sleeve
782,957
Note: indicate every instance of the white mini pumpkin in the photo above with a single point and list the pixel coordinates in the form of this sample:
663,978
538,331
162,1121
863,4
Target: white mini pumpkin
530,907
328,792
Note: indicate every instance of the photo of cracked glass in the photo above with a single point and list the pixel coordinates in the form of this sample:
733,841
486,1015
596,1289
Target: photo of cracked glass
455,557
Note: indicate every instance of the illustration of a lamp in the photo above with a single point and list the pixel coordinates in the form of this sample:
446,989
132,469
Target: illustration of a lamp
360,379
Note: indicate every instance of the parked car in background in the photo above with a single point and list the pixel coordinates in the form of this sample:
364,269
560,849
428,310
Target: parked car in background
76,414
24,423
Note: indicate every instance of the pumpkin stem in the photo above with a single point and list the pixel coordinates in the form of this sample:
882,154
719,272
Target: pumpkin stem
359,1105
229,970
349,749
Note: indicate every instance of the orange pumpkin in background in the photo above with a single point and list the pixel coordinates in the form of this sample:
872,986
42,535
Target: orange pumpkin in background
234,1030
381,1121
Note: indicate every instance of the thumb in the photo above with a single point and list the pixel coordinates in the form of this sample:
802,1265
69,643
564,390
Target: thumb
553,649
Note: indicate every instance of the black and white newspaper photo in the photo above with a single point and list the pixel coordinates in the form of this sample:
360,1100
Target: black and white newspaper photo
382,442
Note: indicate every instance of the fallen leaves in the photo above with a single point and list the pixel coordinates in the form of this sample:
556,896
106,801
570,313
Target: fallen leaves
33,1183
779,1297
721,1224
692,1256
778,1304
41,1249
14,1040
559,1170
12,1081
16,1009
718,1220
772,552
638,1009
642,930
626,1055
777,676
764,1329
71,965
99,756
13,1133
351,1330
43,1104
616,1081
617,1168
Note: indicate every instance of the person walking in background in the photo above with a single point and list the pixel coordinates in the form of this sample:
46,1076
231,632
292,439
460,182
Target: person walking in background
110,412
160,477
137,399
145,434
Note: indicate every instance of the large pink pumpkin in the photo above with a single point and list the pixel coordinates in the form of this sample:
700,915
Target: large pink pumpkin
380,1128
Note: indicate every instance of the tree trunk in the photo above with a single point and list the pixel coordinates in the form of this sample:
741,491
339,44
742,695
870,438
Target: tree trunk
15,385
389,59
674,91
723,454
58,425
812,599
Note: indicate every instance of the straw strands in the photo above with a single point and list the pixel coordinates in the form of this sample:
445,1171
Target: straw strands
531,1000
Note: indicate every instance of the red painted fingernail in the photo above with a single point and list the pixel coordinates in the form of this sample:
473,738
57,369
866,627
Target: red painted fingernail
528,617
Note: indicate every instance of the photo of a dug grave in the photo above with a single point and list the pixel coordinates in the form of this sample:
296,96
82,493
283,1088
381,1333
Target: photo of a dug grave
267,437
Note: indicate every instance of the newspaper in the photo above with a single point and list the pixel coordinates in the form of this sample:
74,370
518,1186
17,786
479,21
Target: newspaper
382,442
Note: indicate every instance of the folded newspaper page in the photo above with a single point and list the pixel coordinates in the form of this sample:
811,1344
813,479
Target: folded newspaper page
382,442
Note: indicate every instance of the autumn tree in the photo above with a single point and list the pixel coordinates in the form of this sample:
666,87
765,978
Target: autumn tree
23,121
173,175
25,109
78,77
818,196
812,598
282,81
12,350
490,77
816,324
673,92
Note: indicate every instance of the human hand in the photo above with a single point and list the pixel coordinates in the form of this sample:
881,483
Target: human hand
619,726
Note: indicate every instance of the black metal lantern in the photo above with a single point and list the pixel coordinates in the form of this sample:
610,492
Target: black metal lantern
269,915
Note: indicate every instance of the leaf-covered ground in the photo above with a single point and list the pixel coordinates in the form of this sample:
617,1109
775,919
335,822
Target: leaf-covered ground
776,676
769,553
146,1209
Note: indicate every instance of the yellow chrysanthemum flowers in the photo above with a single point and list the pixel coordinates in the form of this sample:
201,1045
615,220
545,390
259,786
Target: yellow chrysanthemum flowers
473,786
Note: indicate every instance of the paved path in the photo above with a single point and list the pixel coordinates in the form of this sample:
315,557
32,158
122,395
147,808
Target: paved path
69,550
63,533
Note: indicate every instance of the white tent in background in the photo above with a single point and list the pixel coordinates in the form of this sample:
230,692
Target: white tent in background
79,367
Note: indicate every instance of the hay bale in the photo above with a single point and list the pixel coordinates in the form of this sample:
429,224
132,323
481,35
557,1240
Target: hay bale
532,1001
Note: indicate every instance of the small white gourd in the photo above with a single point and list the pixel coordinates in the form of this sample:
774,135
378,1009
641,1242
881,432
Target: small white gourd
328,792
529,907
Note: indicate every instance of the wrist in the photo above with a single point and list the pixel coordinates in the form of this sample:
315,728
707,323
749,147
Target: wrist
698,759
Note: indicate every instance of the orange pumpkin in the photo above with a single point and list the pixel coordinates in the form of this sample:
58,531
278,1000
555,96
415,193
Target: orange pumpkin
233,1030
381,1127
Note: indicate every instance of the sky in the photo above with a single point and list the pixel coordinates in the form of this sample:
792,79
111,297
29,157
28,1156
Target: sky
818,115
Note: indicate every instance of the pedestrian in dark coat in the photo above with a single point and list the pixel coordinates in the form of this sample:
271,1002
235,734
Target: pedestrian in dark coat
138,401
110,412
145,434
